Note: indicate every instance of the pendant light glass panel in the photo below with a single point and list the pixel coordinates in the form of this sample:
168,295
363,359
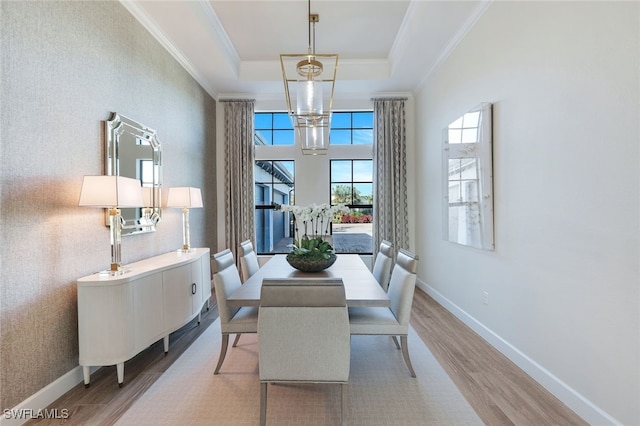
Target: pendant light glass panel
314,140
309,99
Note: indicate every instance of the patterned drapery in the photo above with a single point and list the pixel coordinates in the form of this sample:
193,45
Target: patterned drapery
239,160
390,169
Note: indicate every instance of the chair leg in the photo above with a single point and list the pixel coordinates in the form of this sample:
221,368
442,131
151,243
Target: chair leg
263,403
395,340
405,355
343,409
223,352
235,341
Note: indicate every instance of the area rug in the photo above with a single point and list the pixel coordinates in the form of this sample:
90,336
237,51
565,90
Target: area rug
381,391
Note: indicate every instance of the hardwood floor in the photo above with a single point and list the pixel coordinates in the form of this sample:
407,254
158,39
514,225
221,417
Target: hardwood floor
103,402
499,391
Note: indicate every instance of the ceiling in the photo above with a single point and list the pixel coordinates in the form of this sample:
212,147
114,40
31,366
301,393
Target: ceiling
232,47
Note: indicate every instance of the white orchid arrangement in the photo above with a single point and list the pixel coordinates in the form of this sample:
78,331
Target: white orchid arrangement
315,220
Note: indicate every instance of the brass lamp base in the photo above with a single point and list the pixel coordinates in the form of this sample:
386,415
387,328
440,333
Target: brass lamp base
112,273
186,249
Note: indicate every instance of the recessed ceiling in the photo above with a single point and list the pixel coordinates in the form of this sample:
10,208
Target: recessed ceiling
232,47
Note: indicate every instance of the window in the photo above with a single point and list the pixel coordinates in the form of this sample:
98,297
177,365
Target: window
344,175
467,164
274,184
273,128
147,173
352,184
352,128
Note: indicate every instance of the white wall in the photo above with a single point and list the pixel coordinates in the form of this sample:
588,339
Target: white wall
563,280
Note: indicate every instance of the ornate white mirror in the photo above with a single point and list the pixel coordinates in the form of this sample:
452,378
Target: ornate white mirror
467,167
133,150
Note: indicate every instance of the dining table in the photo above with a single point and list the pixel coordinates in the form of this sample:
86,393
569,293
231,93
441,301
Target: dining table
360,286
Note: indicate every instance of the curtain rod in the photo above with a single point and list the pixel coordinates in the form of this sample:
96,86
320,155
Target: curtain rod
389,99
236,100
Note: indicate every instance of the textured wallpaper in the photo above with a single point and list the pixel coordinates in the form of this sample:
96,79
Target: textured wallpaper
65,66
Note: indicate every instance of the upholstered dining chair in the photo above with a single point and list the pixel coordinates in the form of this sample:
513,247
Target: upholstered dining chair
382,265
303,335
233,320
249,260
394,320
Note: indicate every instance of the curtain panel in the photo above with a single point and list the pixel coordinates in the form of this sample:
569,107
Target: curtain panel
239,161
390,168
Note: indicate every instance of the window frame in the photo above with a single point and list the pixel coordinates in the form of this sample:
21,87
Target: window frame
312,180
271,206
351,182
351,128
273,129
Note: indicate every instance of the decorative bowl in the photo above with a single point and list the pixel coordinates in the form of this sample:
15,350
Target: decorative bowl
306,263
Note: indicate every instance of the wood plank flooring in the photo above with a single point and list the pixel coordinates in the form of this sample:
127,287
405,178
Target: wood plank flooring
499,391
103,402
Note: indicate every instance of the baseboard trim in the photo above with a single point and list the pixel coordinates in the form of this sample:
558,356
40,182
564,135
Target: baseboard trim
572,399
30,407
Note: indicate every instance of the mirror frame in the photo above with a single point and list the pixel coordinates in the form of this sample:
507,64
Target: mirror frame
137,220
477,222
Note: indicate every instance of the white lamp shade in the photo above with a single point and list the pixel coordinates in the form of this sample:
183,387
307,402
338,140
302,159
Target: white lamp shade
111,191
184,197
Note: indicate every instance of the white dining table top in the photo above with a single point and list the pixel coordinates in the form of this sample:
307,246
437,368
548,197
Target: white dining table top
360,286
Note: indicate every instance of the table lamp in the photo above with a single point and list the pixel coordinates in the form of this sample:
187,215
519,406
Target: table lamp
184,198
112,192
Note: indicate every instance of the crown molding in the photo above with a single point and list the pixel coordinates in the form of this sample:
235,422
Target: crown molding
400,41
455,40
214,23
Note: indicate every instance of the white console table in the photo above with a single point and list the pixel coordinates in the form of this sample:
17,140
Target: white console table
119,316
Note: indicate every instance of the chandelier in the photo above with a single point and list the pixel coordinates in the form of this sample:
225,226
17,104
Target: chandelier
309,78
